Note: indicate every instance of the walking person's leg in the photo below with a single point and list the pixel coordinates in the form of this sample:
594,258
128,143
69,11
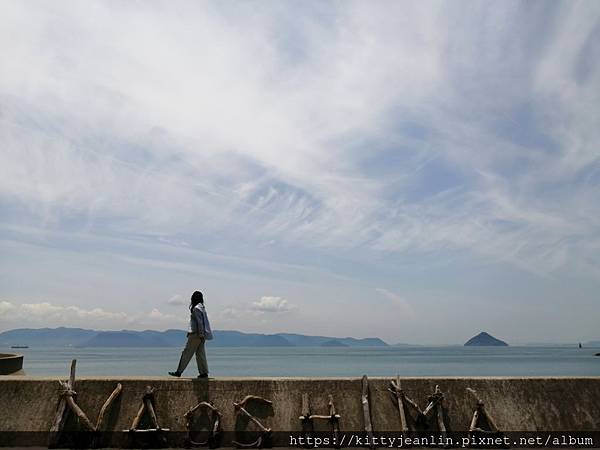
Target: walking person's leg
201,359
186,355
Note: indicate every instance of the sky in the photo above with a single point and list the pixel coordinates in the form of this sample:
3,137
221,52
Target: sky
416,171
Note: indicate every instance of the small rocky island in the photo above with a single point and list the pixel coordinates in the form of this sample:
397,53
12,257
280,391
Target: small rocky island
484,339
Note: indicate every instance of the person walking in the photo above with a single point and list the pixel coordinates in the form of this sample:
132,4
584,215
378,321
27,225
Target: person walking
199,333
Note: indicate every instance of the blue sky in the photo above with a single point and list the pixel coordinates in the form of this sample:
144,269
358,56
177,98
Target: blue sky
416,171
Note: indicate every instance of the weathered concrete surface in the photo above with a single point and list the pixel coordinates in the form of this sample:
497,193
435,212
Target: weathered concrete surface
523,404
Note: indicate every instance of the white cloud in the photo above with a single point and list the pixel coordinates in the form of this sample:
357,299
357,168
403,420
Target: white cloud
48,314
177,300
6,308
268,304
354,131
397,300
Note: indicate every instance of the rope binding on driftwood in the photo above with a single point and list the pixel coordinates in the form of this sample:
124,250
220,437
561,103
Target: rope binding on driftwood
307,418
67,403
432,417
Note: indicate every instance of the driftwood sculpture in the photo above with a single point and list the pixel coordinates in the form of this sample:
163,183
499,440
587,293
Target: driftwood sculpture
308,418
479,414
148,407
367,410
435,409
67,403
481,418
214,431
422,419
265,432
405,404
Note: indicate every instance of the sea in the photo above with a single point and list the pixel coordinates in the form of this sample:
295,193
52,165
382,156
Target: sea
318,361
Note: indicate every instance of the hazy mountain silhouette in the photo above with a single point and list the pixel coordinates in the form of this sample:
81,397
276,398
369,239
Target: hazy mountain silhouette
79,337
485,339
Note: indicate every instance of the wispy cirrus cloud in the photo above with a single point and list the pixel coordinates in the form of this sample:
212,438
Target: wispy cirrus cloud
332,140
309,133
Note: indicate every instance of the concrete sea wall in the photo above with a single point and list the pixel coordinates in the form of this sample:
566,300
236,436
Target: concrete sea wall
28,404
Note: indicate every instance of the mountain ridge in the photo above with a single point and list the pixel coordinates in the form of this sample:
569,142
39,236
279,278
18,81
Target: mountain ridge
81,337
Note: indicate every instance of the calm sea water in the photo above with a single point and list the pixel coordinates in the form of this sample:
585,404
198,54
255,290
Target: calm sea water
308,361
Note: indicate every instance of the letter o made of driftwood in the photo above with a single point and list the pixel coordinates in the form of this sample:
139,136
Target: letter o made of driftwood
214,427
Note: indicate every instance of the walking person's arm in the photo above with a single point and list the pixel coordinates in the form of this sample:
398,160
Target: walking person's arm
199,321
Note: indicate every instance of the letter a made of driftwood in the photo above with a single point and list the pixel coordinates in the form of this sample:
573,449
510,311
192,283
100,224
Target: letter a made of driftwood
67,403
265,432
146,406
308,418
214,432
481,414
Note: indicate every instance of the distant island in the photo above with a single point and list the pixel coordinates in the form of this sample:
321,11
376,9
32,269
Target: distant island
484,339
80,337
333,343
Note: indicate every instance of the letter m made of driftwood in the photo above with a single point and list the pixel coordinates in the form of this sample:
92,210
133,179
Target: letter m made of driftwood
67,403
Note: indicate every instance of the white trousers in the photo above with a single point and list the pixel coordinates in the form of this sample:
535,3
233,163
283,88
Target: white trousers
194,345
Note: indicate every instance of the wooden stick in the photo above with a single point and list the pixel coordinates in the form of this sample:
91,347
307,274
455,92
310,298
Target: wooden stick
321,416
200,405
480,410
254,419
151,411
256,444
489,419
138,417
432,404
239,407
146,430
473,392
331,406
401,412
72,374
247,398
474,420
62,408
107,404
334,419
366,408
305,406
79,413
440,418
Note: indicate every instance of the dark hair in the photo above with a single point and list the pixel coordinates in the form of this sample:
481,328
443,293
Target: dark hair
197,297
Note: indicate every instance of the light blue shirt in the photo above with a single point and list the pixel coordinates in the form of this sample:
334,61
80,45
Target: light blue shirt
199,323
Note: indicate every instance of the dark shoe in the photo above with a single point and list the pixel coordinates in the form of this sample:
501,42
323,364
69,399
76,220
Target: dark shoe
203,375
175,374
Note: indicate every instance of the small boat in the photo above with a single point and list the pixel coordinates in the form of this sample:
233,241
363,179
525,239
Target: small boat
19,346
